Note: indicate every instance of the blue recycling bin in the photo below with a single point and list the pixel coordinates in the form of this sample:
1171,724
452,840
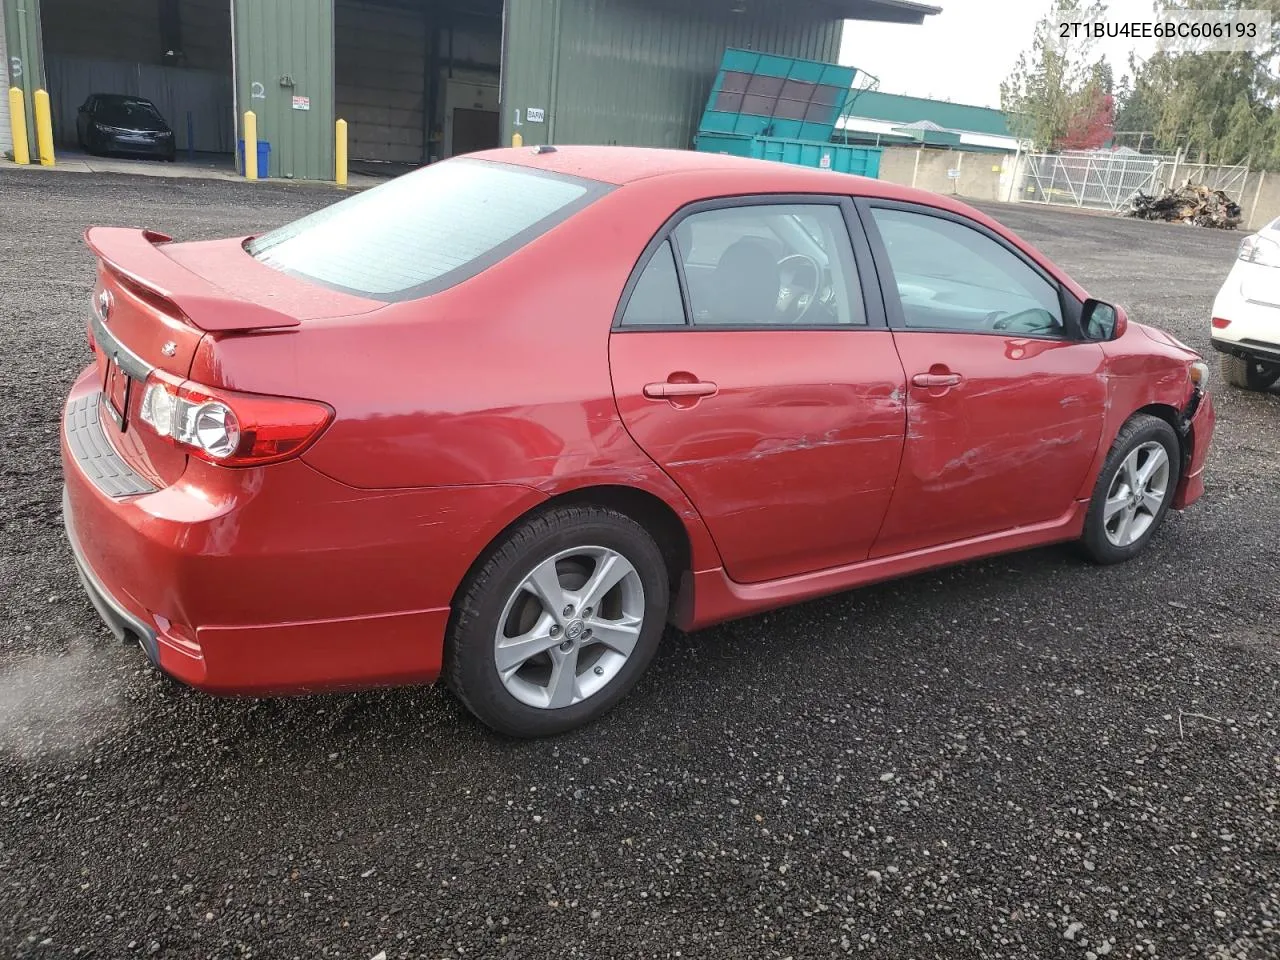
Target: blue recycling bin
264,158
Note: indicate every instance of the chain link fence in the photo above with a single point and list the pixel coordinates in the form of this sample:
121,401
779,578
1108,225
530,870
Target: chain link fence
1106,181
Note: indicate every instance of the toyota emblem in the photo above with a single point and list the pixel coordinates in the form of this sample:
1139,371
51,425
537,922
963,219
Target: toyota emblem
169,349
104,304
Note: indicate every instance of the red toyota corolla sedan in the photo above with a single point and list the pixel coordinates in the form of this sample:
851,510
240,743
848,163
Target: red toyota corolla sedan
505,417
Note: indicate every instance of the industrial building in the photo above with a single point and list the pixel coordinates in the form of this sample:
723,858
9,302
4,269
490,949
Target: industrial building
416,80
889,119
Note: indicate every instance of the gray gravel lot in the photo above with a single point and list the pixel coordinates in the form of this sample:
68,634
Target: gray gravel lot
1022,757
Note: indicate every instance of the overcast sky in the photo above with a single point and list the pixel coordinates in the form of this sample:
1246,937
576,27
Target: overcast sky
964,52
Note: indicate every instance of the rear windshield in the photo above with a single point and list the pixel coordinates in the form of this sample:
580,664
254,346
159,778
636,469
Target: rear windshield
424,231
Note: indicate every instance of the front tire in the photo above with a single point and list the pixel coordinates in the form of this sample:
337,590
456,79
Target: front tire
1249,374
559,623
1134,490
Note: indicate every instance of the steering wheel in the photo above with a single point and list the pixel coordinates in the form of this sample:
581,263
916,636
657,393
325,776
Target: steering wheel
791,293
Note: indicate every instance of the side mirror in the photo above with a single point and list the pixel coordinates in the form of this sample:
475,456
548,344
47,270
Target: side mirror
1102,321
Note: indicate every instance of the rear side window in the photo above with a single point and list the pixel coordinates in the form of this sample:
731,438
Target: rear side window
426,231
656,297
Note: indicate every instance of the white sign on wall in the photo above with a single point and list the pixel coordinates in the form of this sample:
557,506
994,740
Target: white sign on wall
535,114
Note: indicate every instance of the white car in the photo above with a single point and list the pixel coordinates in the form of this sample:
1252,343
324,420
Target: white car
1246,313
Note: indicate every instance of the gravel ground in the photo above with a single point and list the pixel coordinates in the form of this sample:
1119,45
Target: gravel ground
1021,757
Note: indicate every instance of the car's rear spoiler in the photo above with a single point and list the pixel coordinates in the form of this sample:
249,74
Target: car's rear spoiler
135,256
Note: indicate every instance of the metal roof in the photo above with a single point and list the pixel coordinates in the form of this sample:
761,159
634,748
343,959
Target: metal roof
884,11
895,108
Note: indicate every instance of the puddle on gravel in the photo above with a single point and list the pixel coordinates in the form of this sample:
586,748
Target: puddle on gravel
57,703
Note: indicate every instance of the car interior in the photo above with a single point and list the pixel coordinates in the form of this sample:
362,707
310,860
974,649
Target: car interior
952,277
770,265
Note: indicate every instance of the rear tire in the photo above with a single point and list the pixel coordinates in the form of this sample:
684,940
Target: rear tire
1134,490
1249,374
559,622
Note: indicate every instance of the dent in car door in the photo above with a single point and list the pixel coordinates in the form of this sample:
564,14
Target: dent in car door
1002,424
786,440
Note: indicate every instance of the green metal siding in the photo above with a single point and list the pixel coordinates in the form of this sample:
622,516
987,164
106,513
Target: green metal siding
6,141
294,39
634,72
892,107
24,45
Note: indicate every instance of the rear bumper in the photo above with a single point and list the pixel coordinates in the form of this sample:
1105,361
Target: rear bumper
1253,326
1248,348
119,620
276,580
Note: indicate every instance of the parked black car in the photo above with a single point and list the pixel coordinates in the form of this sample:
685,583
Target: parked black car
115,123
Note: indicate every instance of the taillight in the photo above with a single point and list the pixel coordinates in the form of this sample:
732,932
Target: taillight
227,427
1221,323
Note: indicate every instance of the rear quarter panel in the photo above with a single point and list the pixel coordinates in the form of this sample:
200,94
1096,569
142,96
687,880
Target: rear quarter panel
501,379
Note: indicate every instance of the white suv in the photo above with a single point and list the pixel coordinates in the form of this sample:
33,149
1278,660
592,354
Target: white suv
1246,313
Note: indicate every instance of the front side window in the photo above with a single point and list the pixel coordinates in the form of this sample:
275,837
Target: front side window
424,231
770,265
954,277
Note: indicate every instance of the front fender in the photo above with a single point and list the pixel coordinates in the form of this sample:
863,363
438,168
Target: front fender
1144,373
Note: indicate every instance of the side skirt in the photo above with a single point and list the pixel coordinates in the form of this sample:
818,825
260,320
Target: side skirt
716,598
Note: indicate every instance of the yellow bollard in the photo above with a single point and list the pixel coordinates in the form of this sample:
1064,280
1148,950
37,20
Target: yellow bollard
44,127
18,125
517,140
250,145
340,152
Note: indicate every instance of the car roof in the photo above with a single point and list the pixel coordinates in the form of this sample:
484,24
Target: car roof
622,165
706,175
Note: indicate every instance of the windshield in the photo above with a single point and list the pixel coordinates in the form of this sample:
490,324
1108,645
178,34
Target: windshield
121,112
425,231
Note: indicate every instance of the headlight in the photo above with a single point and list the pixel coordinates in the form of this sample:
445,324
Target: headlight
1256,249
1199,372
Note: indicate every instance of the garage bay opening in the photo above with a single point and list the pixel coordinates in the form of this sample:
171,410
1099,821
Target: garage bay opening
416,80
117,82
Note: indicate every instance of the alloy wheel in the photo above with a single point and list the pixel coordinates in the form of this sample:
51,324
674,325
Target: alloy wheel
1137,493
569,628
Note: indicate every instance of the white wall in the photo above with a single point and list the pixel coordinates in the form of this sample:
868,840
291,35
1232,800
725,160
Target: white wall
983,176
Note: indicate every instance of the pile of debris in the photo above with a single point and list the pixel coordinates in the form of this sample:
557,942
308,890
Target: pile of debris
1191,203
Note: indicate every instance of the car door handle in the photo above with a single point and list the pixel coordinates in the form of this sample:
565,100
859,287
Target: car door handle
934,380
667,390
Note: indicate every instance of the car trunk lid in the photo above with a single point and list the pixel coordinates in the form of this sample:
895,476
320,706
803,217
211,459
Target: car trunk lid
156,300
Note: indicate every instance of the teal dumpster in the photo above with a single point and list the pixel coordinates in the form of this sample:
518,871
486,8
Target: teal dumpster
862,161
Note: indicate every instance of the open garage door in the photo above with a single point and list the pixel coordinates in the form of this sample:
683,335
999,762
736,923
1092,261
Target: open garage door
175,53
380,60
416,80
